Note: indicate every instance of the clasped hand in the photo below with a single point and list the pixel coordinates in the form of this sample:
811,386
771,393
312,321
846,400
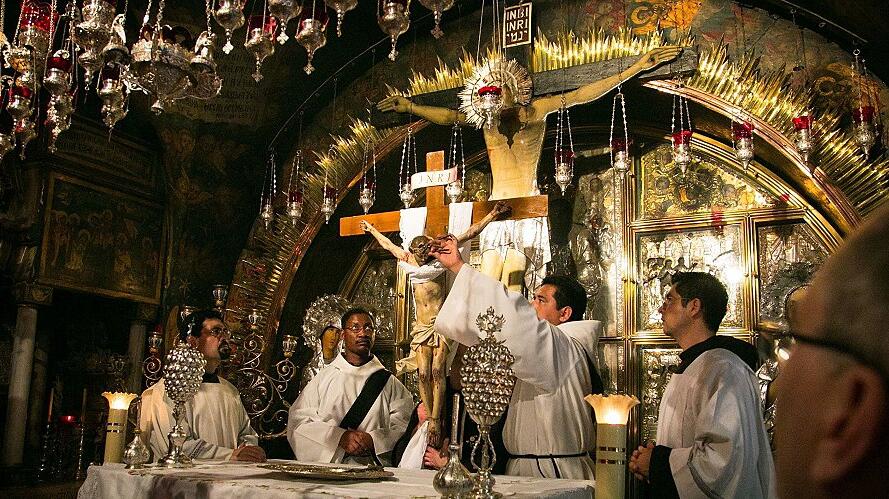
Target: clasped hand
249,453
357,443
640,462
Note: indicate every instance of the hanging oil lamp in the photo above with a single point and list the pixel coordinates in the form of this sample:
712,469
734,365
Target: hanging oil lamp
407,168
310,34
454,190
393,17
267,197
230,15
294,192
328,203
437,7
92,33
58,73
260,40
564,149
112,91
36,25
742,137
204,58
341,7
490,103
620,146
863,127
681,137
802,126
284,11
19,106
367,195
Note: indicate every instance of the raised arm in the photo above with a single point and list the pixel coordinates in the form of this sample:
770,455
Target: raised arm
437,115
475,229
542,106
384,241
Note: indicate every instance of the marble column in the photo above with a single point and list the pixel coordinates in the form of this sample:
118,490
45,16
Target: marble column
28,297
136,351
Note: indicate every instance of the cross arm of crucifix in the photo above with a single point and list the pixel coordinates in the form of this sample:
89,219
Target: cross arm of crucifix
437,213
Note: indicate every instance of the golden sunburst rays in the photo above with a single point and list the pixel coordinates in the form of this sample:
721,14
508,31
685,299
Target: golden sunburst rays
563,51
767,96
566,50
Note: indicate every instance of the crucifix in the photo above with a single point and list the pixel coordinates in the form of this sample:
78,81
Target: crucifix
429,351
437,211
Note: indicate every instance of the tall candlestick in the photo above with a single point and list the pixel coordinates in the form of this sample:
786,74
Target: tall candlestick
83,407
455,419
52,392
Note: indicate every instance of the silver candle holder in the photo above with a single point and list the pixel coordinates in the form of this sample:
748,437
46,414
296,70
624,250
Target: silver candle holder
453,480
136,454
488,380
183,373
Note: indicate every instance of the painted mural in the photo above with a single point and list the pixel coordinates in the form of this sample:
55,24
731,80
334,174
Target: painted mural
101,241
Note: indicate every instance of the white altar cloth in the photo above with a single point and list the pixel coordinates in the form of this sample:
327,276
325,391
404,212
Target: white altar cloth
242,480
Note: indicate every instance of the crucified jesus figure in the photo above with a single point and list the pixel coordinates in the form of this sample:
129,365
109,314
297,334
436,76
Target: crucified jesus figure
429,351
515,144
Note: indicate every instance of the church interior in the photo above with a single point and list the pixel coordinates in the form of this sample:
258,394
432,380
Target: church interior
138,184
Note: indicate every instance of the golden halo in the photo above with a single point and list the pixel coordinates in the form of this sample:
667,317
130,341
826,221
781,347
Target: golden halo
498,72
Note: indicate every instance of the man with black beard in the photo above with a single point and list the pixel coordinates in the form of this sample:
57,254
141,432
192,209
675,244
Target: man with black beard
215,419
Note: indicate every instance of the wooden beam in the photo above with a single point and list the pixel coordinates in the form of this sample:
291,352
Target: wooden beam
437,218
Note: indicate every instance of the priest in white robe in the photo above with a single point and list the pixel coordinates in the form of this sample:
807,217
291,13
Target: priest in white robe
549,429
315,427
215,419
711,440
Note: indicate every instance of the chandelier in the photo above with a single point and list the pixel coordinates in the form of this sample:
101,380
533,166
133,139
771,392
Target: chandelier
169,65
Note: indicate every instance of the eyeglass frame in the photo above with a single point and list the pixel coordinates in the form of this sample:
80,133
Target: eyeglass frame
367,327
832,345
220,332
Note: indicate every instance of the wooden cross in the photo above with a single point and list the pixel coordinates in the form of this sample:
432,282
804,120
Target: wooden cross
437,212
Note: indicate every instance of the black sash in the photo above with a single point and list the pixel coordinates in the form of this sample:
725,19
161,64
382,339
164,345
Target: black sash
369,393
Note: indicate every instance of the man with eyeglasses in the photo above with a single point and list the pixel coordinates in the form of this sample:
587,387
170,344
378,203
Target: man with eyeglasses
215,419
353,410
832,389
711,441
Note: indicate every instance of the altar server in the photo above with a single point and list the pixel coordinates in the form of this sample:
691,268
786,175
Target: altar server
549,429
215,418
711,441
353,410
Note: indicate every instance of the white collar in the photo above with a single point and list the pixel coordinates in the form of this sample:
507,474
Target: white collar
368,367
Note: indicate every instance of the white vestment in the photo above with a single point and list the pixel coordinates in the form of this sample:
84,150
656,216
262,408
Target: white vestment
313,426
711,419
547,414
215,421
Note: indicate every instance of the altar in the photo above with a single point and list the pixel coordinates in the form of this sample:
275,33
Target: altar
240,480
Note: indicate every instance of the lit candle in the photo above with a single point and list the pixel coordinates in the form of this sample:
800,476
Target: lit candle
118,406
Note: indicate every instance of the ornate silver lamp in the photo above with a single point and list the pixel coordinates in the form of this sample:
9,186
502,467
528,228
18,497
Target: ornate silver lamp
183,372
488,380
